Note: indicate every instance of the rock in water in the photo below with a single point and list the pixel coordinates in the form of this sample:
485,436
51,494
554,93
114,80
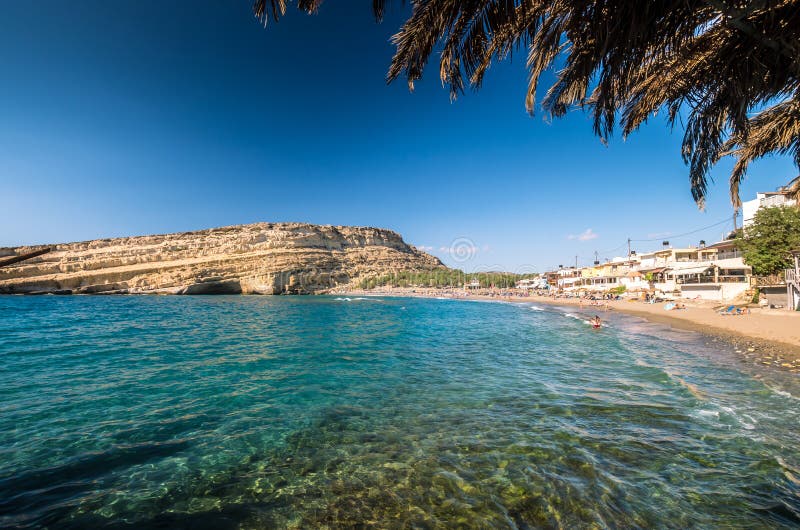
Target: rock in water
261,258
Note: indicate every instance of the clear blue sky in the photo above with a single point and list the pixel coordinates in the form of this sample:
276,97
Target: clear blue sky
123,118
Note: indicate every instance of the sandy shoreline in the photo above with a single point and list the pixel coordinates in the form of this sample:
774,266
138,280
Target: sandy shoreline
768,337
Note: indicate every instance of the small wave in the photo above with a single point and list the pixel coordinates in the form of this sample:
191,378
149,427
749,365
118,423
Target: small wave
782,393
577,317
535,308
354,299
745,420
726,417
705,413
750,424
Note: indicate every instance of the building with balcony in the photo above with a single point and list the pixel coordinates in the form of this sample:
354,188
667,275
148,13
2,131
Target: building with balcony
767,199
527,284
567,277
720,280
668,256
715,272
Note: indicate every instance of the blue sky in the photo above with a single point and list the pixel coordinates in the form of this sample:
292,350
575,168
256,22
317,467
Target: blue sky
124,118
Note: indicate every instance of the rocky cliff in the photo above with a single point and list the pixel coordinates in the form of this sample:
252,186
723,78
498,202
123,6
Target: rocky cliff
262,258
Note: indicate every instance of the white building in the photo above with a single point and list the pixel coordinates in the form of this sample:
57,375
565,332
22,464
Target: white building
716,272
635,281
568,277
532,283
766,199
718,280
658,266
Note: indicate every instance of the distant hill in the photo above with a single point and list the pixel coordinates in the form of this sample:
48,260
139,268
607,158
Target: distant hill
261,258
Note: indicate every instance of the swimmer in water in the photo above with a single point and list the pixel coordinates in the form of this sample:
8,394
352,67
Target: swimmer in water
595,322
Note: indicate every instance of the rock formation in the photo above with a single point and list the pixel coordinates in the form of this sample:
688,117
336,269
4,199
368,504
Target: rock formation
261,258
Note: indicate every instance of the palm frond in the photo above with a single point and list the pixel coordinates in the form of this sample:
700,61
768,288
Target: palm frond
774,130
264,10
793,190
624,60
732,67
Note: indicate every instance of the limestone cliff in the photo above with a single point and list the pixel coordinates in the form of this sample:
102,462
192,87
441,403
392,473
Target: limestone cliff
262,258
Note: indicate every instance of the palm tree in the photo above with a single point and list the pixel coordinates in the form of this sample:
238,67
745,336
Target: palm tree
729,70
792,189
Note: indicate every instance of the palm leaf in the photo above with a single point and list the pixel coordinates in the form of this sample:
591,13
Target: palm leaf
731,67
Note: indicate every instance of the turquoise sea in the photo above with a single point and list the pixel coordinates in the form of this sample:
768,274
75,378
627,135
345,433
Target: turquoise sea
324,412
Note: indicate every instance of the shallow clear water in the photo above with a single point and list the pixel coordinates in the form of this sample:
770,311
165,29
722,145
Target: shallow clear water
229,412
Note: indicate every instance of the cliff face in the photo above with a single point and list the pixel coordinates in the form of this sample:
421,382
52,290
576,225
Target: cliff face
262,258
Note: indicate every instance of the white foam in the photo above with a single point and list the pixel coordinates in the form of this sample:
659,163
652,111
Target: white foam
749,425
355,299
576,317
707,413
724,416
782,393
745,421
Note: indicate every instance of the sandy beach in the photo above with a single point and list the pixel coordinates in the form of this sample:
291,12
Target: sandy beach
767,336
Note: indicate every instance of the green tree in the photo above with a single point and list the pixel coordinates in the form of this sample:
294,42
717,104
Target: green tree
766,243
443,277
728,69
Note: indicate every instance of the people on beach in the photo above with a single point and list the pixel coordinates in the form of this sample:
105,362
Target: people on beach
733,310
